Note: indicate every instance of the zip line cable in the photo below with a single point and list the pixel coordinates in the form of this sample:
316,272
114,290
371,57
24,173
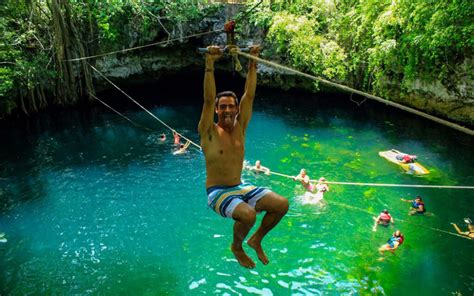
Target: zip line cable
342,183
278,66
146,110
276,173
352,90
125,117
288,176
379,184
238,17
143,46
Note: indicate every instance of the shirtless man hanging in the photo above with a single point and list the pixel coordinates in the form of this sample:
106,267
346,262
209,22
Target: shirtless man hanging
223,147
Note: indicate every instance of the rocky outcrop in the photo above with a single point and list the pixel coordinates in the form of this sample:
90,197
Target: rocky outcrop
454,102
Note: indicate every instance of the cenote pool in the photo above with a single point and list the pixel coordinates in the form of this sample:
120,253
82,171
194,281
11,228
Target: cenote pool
91,204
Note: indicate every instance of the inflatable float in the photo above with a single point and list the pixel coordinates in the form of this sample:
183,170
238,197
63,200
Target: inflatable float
412,168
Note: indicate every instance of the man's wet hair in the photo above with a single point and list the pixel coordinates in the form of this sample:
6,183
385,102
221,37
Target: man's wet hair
227,94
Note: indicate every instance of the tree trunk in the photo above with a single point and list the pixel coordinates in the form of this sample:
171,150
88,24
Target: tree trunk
68,43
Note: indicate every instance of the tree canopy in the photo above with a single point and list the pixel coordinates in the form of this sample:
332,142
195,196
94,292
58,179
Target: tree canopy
363,43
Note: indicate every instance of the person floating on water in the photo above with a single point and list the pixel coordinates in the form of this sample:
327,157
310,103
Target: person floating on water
182,148
259,168
321,188
223,148
470,227
305,181
384,218
2,238
162,137
417,204
395,241
406,158
177,140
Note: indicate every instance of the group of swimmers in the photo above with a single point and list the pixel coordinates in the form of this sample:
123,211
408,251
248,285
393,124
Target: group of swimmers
315,193
385,219
181,148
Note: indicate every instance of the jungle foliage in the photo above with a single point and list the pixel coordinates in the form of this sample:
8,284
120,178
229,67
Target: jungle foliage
368,43
363,43
38,36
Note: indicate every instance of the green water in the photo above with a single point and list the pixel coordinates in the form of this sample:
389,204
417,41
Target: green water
92,205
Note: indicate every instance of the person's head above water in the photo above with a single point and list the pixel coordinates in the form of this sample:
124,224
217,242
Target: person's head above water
470,226
227,108
257,164
385,211
303,172
397,233
418,198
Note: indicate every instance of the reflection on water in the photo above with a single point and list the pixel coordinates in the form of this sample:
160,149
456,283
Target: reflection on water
92,205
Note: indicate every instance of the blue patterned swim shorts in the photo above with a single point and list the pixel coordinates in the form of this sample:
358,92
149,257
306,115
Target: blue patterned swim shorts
224,199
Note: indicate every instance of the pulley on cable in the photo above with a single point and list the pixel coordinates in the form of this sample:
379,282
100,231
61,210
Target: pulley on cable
230,47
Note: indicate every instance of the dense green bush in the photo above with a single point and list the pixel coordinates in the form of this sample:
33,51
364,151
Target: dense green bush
38,35
364,43
369,42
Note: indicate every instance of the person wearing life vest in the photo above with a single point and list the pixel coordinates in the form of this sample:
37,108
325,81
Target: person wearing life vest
395,241
384,218
409,158
406,158
417,204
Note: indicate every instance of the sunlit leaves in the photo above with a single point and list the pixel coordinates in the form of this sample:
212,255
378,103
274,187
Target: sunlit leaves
296,36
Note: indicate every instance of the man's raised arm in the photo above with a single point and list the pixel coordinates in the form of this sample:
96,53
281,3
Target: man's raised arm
246,104
207,115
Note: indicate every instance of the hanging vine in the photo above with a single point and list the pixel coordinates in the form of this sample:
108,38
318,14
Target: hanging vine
68,44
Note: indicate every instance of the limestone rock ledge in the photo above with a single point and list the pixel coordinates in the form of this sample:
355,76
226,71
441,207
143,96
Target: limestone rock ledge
453,100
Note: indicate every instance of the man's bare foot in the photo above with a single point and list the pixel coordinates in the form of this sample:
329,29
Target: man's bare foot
242,257
258,248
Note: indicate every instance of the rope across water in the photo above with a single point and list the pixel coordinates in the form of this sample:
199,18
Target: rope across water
379,184
289,176
146,110
352,90
276,173
123,116
142,46
400,220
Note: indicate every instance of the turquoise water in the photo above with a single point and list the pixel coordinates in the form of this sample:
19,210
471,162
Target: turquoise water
92,205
